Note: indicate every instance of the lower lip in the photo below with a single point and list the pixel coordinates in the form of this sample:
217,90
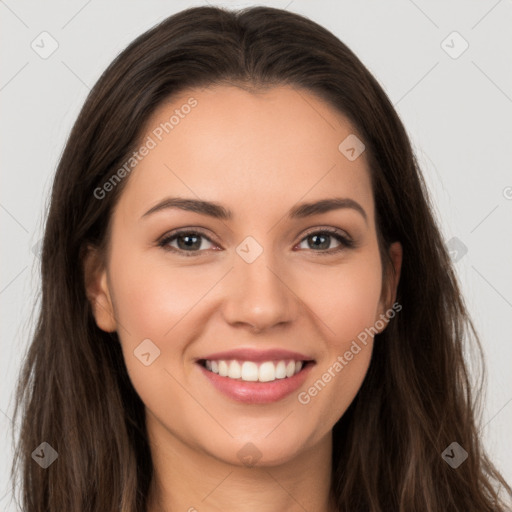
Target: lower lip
257,392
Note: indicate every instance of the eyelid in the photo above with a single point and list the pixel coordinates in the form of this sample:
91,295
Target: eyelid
327,229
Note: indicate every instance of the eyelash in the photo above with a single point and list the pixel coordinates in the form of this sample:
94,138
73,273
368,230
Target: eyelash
345,242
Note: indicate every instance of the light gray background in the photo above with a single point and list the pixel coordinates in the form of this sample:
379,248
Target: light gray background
456,110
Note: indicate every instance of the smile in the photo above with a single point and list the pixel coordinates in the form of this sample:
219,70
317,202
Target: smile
250,371
253,382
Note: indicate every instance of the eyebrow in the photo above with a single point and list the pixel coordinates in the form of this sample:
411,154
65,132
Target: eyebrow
218,211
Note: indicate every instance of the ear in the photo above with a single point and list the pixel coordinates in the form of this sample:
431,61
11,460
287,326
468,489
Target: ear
97,289
392,278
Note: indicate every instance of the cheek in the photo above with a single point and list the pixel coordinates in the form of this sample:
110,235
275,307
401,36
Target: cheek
346,298
153,301
347,302
163,303
150,298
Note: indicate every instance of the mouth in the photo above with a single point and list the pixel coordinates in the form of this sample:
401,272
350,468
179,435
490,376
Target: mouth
251,382
252,371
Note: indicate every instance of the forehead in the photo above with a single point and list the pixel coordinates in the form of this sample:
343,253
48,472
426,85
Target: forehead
270,147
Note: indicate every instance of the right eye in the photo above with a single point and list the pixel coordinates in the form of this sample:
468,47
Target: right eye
188,242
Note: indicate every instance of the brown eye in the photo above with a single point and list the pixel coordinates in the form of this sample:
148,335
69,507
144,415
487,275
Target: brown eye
187,242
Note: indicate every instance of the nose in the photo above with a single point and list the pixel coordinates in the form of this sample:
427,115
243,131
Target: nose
258,295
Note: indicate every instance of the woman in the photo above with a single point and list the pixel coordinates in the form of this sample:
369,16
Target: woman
246,300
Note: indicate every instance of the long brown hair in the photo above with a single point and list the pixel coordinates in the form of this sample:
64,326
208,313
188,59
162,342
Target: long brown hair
417,398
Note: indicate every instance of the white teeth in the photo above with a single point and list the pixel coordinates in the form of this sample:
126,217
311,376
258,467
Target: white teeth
281,370
235,370
223,368
267,372
249,371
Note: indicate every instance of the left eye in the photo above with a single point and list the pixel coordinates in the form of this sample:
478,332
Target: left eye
191,242
322,239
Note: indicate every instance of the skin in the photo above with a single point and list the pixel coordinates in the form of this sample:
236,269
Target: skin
243,150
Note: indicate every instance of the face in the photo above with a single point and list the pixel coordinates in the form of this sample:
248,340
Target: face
279,290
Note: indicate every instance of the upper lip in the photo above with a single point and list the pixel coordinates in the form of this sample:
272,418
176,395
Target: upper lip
250,354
